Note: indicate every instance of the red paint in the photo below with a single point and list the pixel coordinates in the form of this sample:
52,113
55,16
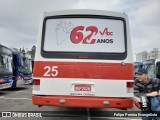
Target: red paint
36,81
88,70
89,102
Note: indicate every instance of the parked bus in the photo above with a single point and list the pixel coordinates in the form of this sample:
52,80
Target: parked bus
17,71
6,71
83,59
153,67
27,68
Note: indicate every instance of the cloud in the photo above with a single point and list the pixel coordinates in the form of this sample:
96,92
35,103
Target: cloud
145,26
19,20
148,15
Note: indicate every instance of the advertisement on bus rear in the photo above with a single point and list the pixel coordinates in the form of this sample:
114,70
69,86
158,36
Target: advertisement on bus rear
93,35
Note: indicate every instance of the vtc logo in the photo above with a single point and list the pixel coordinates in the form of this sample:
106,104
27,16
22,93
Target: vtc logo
77,35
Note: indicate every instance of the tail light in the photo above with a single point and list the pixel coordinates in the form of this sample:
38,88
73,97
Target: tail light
1,80
129,84
136,102
36,81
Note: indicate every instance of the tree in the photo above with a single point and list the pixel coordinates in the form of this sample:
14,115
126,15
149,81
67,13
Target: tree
32,52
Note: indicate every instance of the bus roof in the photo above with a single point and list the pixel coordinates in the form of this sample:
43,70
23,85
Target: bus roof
5,50
84,11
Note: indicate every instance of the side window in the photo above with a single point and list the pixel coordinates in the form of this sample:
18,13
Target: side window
1,63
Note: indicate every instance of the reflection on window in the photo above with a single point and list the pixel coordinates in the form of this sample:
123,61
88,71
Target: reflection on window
5,63
1,63
26,66
135,69
151,70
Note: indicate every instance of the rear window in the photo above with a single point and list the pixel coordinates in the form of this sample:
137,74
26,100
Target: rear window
92,37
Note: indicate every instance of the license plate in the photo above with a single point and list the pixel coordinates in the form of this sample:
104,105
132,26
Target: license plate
25,78
82,87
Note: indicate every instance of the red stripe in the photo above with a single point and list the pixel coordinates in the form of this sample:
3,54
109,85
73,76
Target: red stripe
88,70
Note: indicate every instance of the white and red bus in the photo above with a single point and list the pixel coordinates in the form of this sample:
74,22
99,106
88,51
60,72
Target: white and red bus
83,59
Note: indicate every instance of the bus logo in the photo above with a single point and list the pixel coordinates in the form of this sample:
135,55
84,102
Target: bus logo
77,35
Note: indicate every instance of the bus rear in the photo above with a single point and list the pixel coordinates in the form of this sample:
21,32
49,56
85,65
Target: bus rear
83,59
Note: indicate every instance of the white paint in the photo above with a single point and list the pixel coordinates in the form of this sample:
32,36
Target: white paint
103,88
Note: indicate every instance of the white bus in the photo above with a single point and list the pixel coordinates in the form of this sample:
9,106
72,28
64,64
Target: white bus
83,59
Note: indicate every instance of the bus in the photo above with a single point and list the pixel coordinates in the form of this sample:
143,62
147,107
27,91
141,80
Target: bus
17,71
6,71
153,67
26,68
22,68
83,59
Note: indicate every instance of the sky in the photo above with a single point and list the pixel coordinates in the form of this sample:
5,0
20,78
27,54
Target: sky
20,19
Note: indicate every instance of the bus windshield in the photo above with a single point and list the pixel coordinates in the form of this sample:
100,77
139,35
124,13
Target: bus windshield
6,63
26,67
29,65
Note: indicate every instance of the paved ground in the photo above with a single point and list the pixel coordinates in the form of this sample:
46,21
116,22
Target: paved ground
19,99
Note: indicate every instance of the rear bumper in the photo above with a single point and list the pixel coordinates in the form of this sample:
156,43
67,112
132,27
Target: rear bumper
6,85
79,101
28,81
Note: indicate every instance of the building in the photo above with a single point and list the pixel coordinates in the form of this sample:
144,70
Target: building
142,56
153,54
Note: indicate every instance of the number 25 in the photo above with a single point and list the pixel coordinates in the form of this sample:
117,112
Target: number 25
51,71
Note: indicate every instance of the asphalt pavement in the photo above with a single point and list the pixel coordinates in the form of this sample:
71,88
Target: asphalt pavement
16,104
